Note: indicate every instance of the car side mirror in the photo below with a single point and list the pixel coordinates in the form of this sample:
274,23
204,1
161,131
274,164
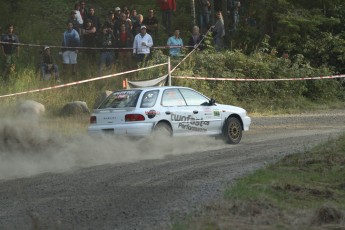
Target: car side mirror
212,102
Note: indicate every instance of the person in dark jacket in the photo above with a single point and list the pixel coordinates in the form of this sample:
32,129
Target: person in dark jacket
196,40
9,50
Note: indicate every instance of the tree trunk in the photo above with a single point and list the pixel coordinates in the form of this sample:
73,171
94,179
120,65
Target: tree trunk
226,21
193,14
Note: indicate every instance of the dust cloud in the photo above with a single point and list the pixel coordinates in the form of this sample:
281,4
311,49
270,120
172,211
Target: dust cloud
28,148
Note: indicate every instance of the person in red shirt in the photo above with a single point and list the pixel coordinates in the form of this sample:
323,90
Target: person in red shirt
125,40
167,7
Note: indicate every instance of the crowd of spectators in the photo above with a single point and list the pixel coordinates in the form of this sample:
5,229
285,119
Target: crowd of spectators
126,37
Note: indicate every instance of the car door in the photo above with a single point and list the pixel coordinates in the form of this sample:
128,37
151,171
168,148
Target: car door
207,119
176,110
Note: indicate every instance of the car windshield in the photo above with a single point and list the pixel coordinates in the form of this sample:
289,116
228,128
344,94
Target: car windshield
121,99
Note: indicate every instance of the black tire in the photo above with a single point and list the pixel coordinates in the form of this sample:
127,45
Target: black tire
232,130
163,129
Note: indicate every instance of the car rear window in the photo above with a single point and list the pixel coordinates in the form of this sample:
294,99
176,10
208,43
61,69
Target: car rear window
121,99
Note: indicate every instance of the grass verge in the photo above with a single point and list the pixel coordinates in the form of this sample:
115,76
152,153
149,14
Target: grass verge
301,191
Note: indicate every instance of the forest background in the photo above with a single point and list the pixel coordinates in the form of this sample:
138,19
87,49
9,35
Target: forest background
273,40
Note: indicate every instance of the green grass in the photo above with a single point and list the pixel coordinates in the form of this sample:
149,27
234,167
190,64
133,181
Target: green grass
302,191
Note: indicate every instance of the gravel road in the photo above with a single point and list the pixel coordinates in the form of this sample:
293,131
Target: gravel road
48,182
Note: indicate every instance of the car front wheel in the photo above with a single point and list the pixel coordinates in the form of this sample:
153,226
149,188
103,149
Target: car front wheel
233,130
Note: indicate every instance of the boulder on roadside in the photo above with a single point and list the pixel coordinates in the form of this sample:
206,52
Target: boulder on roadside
101,97
30,107
75,108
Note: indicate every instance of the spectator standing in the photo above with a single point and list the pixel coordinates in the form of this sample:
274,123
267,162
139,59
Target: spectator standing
9,50
205,12
106,40
78,15
237,5
110,21
124,9
48,66
125,40
117,11
122,20
128,17
196,39
168,7
95,19
142,44
218,32
175,40
70,43
134,16
89,37
137,25
73,19
151,22
83,10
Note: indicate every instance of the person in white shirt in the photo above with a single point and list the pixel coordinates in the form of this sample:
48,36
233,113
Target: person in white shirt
141,45
77,14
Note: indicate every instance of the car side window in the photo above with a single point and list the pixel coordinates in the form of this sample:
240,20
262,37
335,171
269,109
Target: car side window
194,98
172,97
149,99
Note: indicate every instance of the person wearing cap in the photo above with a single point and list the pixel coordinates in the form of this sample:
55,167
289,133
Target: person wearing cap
117,12
142,44
48,67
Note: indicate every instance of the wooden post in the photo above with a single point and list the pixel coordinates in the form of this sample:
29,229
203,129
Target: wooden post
169,72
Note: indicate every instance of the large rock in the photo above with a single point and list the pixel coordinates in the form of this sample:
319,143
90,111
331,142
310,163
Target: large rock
101,97
75,108
30,107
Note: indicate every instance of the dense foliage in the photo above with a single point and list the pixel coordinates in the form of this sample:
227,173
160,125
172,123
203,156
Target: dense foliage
289,39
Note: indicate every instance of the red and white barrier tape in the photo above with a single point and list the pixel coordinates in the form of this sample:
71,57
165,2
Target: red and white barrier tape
92,48
81,82
253,79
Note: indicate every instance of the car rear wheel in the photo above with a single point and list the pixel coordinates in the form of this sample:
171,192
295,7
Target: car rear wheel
233,130
162,129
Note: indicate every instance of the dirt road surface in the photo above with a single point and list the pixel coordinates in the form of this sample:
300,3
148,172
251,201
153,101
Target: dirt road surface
48,181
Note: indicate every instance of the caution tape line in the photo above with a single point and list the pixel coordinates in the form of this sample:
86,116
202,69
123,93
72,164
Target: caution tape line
92,48
81,82
253,79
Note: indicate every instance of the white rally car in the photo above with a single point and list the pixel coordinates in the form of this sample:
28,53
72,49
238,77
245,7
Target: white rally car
174,110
